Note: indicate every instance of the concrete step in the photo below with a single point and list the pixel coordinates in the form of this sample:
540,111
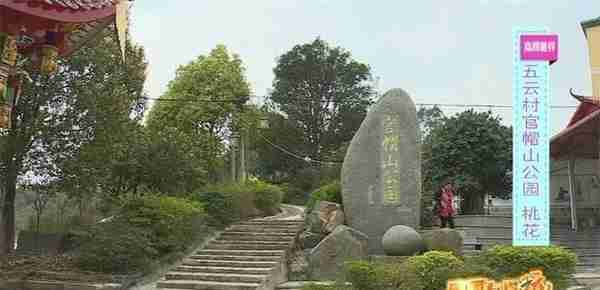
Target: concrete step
216,277
280,220
236,258
249,246
268,222
205,285
590,279
224,270
257,237
229,263
257,229
254,242
240,252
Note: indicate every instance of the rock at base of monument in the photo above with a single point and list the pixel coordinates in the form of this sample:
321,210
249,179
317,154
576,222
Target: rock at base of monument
326,260
335,219
402,241
443,240
325,217
309,240
381,174
388,259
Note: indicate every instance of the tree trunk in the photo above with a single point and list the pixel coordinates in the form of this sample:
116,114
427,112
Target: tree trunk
8,210
473,204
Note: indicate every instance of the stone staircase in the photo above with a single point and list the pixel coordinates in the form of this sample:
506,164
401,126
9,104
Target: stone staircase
249,255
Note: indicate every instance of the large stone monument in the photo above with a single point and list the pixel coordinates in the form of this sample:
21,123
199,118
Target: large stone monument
381,175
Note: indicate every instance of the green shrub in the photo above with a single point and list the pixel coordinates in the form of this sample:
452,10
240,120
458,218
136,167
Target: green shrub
506,261
365,275
431,270
268,197
325,287
116,248
293,195
220,206
173,222
247,199
331,192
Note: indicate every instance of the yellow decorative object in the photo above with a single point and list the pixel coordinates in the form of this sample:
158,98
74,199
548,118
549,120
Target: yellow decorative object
70,27
122,24
48,59
9,50
534,280
4,71
5,116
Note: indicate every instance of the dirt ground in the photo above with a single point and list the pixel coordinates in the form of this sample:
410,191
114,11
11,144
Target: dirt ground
47,268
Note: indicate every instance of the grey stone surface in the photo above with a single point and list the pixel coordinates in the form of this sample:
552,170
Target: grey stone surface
381,175
443,240
326,260
402,241
318,221
335,219
309,240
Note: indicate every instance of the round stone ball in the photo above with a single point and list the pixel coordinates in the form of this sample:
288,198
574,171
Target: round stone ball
402,241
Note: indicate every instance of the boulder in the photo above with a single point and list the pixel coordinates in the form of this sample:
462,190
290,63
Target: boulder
309,240
444,240
336,218
402,241
381,174
325,217
326,260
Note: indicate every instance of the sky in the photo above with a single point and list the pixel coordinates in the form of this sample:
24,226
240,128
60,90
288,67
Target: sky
442,52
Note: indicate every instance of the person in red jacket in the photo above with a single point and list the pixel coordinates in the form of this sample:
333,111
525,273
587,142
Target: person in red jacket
446,206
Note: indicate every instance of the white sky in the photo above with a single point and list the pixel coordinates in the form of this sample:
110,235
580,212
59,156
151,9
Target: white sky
439,51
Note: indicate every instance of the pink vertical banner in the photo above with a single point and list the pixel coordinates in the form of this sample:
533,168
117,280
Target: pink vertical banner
543,47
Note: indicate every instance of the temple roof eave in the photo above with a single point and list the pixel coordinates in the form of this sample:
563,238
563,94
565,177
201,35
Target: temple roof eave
58,11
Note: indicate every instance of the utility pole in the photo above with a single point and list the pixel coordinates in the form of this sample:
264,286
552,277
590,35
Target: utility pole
243,155
233,159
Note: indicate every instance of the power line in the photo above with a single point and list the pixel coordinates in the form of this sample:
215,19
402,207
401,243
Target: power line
307,99
488,106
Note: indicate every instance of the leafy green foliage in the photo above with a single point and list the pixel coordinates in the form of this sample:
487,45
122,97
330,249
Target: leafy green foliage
365,275
431,270
331,192
218,88
116,248
474,150
315,286
234,201
220,206
148,228
268,197
506,261
93,98
320,97
170,220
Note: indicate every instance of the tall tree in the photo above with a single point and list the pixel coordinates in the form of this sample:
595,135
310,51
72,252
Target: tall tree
475,151
324,93
201,101
88,100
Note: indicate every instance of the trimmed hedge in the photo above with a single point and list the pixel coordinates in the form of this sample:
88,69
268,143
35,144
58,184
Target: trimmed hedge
147,229
234,201
506,261
432,270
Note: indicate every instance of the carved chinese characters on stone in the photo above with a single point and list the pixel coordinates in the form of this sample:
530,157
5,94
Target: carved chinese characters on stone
391,162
